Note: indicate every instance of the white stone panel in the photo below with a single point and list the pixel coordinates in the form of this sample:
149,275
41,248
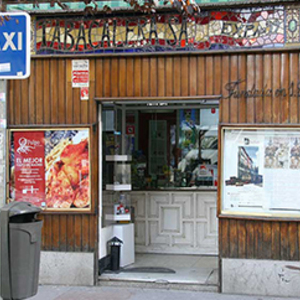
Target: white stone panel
155,237
187,202
261,277
203,201
154,200
170,220
140,233
203,237
213,221
138,201
185,240
175,222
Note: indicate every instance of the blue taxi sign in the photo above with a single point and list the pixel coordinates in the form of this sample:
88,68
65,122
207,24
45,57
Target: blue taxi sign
14,45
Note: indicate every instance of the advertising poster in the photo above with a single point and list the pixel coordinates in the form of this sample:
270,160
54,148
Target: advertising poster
261,171
29,162
50,168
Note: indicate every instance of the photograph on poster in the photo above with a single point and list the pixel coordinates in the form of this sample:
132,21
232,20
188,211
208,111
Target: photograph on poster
276,153
295,154
50,168
248,171
260,171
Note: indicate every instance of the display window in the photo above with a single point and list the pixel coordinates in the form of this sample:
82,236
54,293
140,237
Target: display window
170,146
260,171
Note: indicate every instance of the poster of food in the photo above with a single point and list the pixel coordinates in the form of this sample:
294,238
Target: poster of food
50,168
260,171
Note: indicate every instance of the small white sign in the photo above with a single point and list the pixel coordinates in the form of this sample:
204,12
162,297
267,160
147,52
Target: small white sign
84,93
80,73
2,97
5,67
2,123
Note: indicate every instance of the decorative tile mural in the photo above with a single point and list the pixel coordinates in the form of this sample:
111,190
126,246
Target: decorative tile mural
267,27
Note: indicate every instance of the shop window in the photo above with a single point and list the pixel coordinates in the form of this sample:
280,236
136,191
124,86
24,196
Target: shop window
170,148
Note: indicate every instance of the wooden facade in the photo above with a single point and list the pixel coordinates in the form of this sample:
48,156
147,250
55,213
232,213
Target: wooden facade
47,97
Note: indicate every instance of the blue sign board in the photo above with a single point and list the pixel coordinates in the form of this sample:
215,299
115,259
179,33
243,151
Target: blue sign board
14,46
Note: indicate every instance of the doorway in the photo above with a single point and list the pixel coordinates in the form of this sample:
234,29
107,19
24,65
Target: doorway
158,191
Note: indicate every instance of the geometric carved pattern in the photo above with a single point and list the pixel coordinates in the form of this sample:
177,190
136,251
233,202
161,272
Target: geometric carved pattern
175,222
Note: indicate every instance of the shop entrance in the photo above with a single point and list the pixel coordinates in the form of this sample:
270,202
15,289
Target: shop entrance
159,191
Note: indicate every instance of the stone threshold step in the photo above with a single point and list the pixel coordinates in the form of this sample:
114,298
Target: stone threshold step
159,284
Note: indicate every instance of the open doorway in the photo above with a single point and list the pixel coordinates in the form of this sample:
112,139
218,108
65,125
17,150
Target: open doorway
159,191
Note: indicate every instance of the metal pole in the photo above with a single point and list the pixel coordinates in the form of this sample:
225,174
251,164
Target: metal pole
3,179
3,126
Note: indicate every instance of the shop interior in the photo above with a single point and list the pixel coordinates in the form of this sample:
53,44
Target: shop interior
158,200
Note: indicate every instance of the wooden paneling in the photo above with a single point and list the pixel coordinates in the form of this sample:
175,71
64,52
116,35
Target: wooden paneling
280,72
234,101
47,97
267,82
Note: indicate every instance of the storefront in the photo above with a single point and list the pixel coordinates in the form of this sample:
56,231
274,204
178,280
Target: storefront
160,181
169,109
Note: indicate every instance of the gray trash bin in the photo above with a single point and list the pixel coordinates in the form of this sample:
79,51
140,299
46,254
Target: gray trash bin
20,238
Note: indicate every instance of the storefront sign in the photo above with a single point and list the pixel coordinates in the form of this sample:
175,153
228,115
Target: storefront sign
50,168
260,171
230,29
235,91
80,73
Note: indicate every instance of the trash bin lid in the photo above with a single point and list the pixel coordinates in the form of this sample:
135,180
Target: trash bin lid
115,241
21,208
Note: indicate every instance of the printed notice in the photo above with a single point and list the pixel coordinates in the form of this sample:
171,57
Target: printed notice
261,171
80,73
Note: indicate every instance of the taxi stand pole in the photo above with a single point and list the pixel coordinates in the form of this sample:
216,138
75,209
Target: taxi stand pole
3,169
8,59
3,127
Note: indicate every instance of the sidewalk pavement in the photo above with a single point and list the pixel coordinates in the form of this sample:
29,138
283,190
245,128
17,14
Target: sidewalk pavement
50,292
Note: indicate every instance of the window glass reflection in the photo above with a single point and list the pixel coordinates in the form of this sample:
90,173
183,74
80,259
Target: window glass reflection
170,148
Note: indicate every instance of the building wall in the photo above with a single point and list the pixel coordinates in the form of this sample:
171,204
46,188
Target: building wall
47,97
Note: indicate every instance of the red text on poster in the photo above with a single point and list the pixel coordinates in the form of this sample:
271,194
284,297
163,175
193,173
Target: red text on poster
29,164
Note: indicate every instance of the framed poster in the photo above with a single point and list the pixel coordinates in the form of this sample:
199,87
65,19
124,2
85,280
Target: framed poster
50,168
260,171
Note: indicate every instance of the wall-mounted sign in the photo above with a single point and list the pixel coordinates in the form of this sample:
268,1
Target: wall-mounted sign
234,90
80,73
260,171
84,93
14,45
50,168
227,29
